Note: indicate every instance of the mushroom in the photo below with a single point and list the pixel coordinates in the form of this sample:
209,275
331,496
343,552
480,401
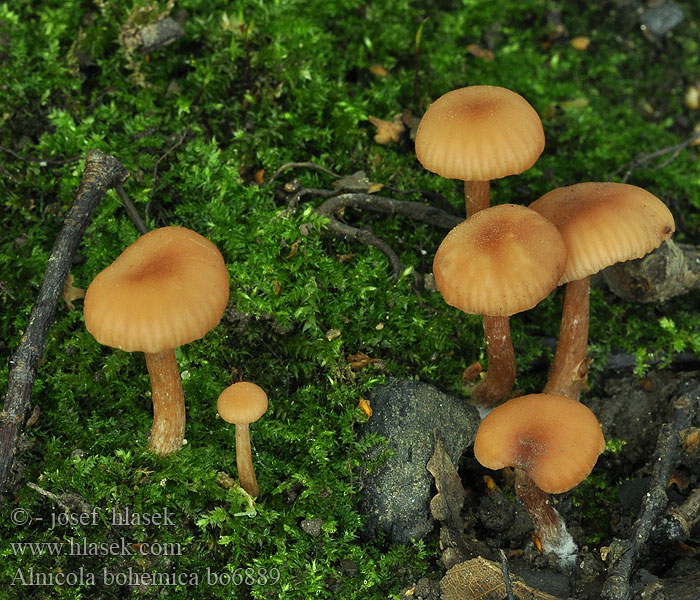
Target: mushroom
243,403
601,224
501,261
477,134
553,443
168,288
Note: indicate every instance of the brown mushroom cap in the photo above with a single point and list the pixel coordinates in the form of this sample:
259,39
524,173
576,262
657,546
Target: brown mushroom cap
168,288
605,223
241,403
555,439
479,133
500,261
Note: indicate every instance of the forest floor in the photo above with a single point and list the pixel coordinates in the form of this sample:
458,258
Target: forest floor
283,132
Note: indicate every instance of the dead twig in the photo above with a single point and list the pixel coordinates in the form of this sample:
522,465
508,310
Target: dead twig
300,165
131,210
102,172
642,159
41,161
415,210
178,142
506,576
679,522
617,586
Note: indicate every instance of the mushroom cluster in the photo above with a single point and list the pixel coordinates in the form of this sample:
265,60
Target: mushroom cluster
170,287
502,260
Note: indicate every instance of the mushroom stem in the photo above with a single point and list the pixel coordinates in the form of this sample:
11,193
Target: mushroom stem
569,368
244,461
477,196
499,378
168,431
550,528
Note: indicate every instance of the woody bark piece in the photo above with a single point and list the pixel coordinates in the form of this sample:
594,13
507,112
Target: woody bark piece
102,172
617,585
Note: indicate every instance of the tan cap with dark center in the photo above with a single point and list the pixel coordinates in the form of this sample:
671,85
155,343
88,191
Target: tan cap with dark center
605,223
168,288
479,133
555,439
502,260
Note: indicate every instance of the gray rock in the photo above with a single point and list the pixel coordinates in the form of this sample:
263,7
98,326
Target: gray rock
659,19
396,496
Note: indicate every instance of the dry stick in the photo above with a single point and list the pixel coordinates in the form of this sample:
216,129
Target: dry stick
131,210
617,585
679,522
303,165
506,576
643,158
415,210
102,172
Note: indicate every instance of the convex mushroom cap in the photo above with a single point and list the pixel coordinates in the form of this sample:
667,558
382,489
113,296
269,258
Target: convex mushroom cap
479,133
555,439
241,403
500,261
605,223
168,288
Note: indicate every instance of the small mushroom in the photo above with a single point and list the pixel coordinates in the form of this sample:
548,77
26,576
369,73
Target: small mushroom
476,134
168,288
243,403
501,261
601,224
553,443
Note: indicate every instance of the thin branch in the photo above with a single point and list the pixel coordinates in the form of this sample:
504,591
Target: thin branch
300,165
617,586
506,576
180,138
642,159
42,161
102,172
389,206
131,210
416,210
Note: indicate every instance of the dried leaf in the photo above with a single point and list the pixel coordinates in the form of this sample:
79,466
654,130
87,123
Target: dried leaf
365,407
357,182
692,97
481,579
388,131
411,122
71,293
359,361
480,52
576,103
294,249
375,187
225,480
331,334
472,372
259,176
580,43
344,257
446,505
378,70
696,142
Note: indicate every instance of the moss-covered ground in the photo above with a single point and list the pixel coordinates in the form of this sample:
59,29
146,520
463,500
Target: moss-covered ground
201,125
